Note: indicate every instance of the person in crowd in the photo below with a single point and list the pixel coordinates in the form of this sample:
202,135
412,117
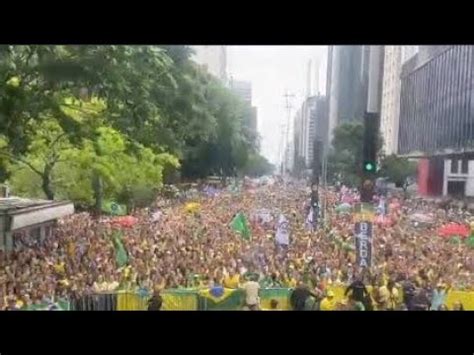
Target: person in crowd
357,291
458,306
186,250
232,280
393,296
273,305
252,289
421,301
12,304
156,301
299,296
354,305
409,292
438,297
328,303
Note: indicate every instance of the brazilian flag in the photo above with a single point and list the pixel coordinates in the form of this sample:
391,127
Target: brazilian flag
239,224
121,256
180,299
114,209
470,241
281,295
220,299
455,240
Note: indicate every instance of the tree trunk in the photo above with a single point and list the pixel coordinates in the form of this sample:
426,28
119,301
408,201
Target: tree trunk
46,182
98,192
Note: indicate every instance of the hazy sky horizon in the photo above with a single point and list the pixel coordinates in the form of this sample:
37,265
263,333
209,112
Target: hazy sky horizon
273,70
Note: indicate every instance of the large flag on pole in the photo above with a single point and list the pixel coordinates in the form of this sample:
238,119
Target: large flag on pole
239,224
121,256
283,231
114,209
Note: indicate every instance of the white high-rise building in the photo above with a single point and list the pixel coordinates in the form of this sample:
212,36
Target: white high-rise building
213,58
395,57
243,89
390,110
408,52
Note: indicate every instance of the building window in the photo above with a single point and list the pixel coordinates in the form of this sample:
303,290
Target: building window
465,166
454,166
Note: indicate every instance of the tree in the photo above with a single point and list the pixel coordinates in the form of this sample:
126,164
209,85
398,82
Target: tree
118,165
257,165
92,122
346,155
28,94
48,143
397,169
225,149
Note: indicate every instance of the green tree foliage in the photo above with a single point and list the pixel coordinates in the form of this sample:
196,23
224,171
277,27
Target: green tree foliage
47,145
258,165
96,122
346,154
397,169
226,149
345,157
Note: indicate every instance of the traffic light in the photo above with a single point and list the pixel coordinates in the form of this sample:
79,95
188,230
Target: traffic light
371,127
370,166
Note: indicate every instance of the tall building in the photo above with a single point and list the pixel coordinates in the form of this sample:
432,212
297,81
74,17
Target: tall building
347,84
408,52
213,58
436,118
253,119
395,57
390,109
243,89
310,131
298,135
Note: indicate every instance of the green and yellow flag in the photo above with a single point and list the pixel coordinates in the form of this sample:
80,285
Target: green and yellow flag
239,224
121,256
470,241
114,209
226,299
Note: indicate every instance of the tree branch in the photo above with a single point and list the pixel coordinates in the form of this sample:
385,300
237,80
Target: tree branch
57,139
20,160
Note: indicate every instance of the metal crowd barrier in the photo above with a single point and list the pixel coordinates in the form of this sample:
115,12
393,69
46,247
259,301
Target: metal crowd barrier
202,300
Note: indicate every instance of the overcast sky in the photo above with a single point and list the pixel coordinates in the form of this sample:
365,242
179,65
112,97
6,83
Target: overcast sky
273,70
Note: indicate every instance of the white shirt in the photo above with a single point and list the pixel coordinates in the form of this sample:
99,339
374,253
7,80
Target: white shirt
251,292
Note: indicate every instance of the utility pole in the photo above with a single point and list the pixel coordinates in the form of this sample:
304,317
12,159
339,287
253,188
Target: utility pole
281,144
288,105
364,211
324,175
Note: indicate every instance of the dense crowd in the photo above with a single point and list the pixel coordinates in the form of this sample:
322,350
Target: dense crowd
178,249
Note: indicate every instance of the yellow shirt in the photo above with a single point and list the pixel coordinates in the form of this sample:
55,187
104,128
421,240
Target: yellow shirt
232,282
291,283
64,282
71,249
394,298
59,268
383,297
327,304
